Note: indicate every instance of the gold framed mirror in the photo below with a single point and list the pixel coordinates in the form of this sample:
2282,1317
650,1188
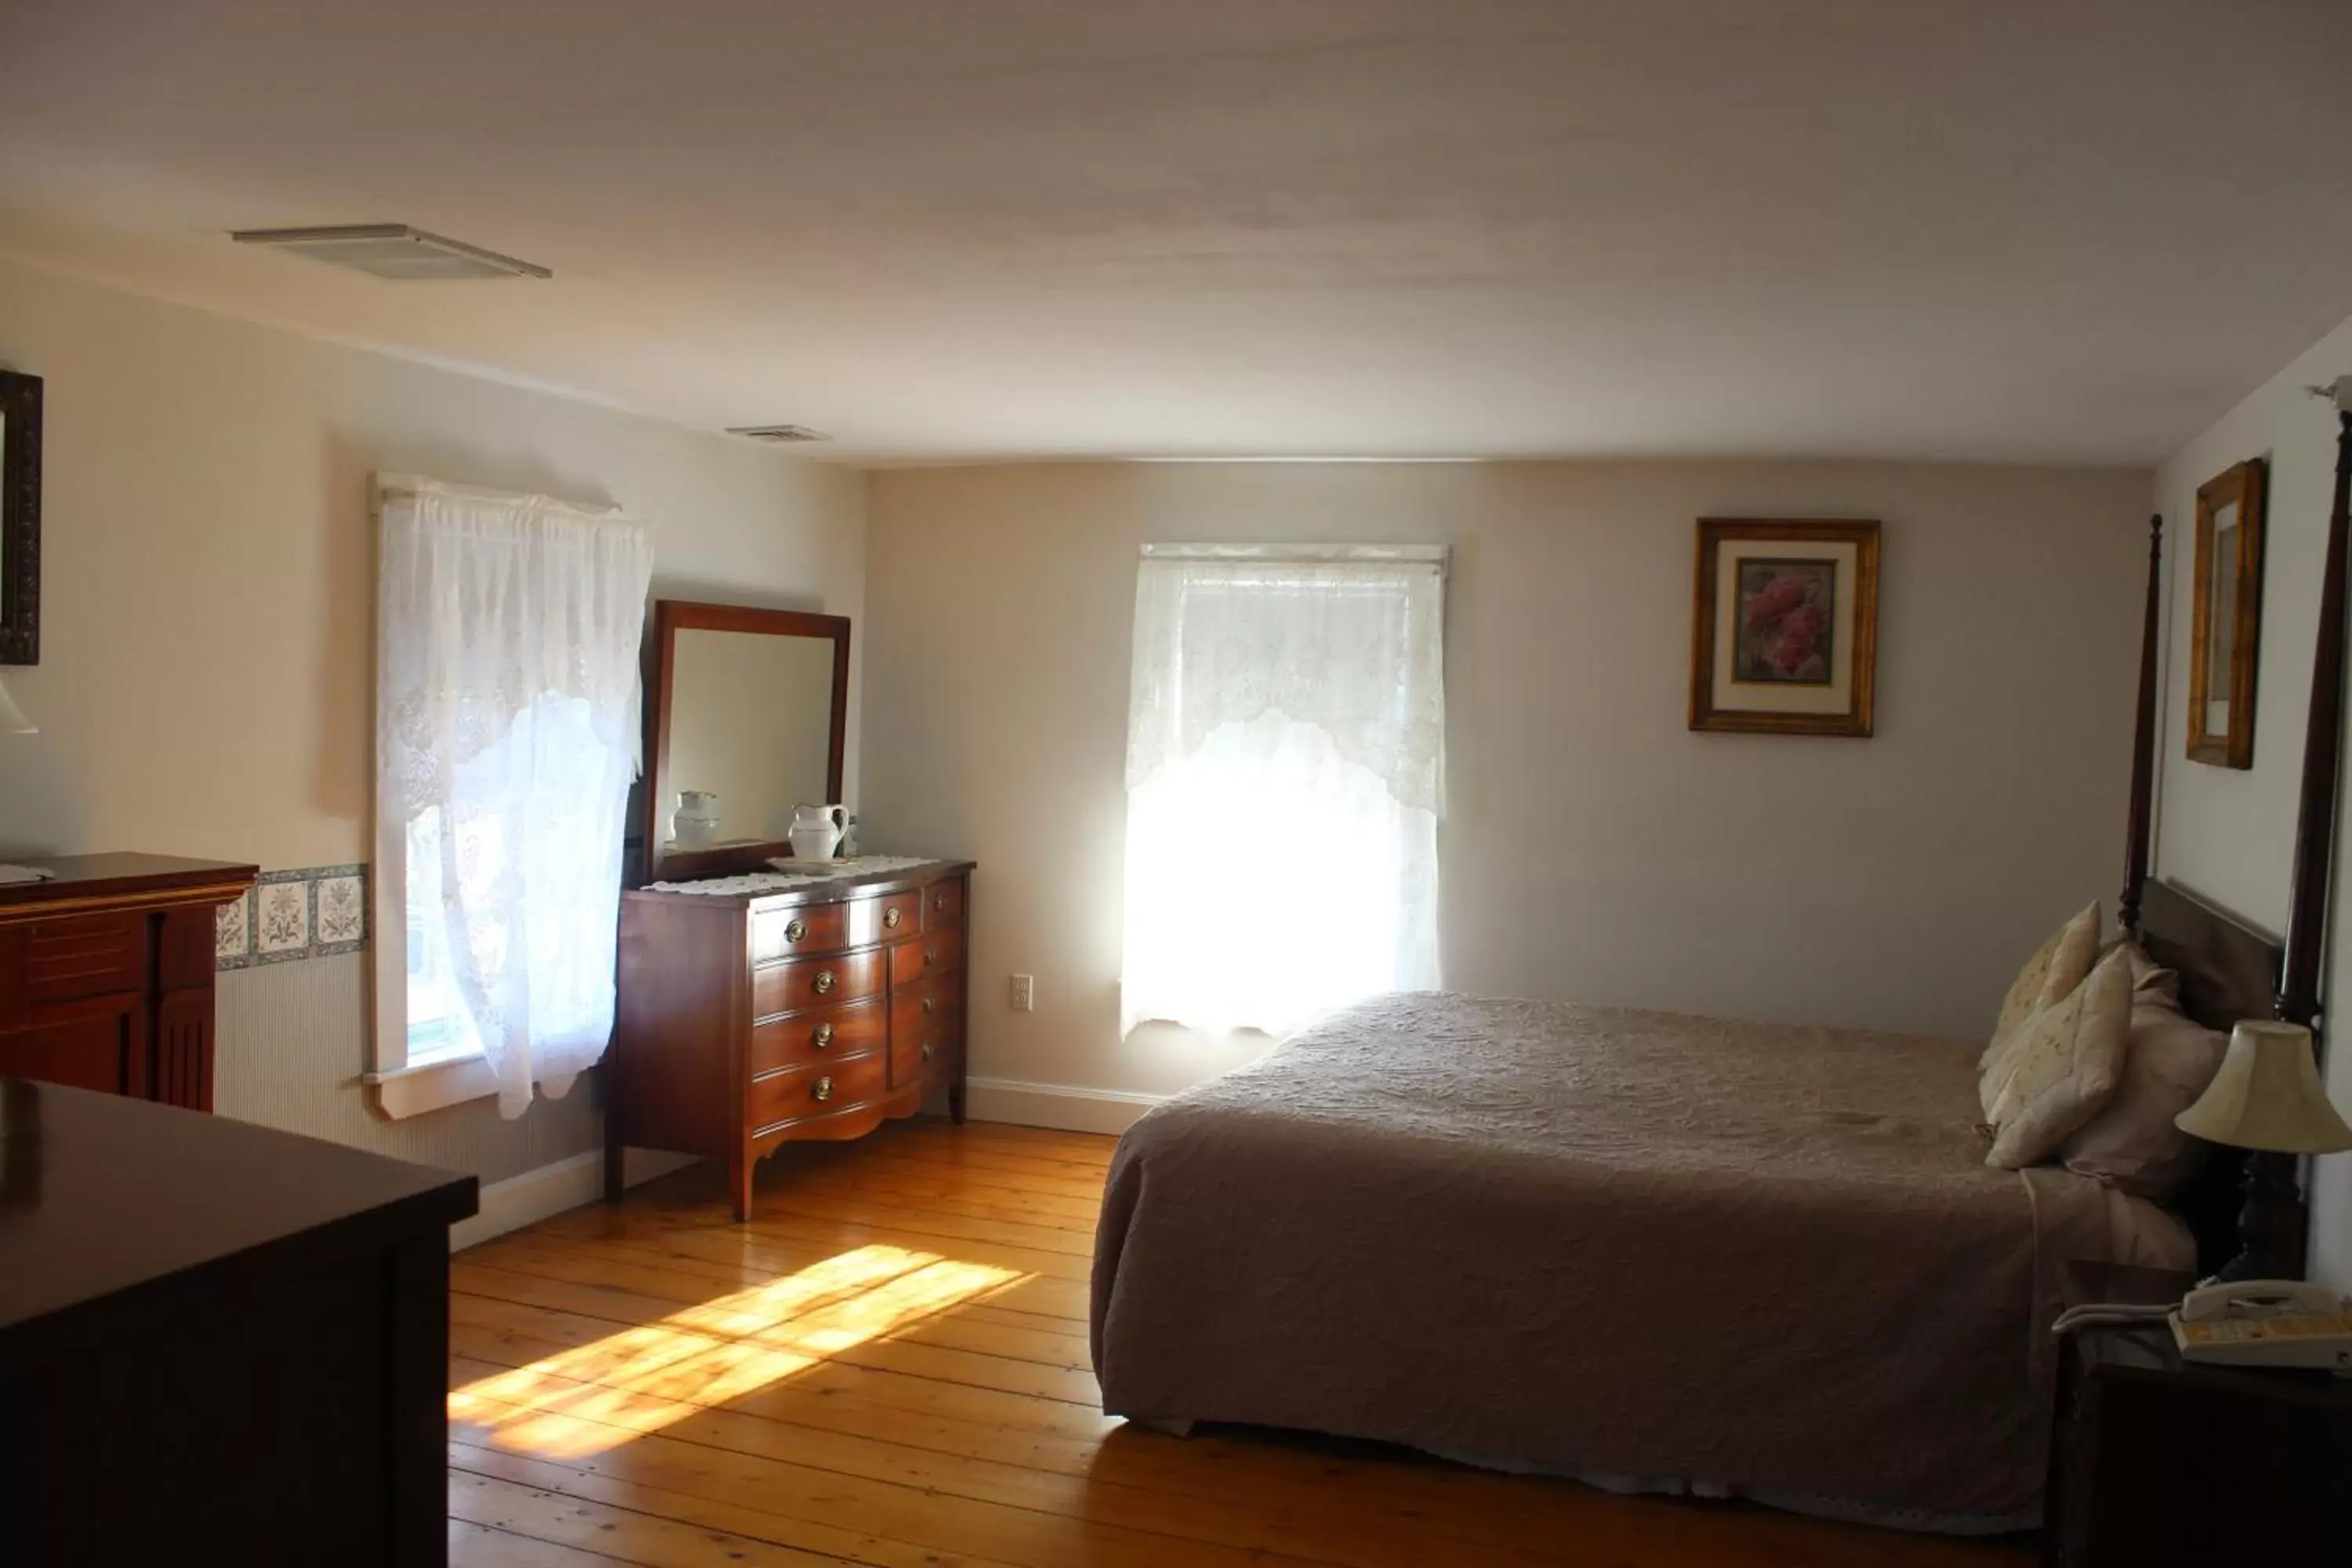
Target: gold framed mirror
2226,619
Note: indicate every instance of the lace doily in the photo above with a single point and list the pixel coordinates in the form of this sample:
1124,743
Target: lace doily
781,881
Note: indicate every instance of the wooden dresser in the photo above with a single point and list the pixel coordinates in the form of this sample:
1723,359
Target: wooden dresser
106,973
753,1019
219,1343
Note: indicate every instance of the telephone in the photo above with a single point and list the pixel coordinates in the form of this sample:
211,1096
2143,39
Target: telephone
2265,1322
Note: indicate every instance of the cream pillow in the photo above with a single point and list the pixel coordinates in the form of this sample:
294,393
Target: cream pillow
2132,1144
2065,1064
2057,967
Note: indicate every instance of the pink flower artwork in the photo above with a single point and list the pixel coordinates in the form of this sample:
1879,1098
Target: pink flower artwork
1788,619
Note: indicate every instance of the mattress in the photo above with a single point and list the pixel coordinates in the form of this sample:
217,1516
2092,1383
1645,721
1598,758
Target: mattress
1667,1251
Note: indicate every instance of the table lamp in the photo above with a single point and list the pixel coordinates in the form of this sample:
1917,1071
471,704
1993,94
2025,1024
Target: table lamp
2267,1097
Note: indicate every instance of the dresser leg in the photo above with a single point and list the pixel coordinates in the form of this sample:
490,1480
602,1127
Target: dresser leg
616,1163
739,1167
956,1095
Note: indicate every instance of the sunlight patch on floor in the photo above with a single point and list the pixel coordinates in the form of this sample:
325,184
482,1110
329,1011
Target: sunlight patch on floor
599,1396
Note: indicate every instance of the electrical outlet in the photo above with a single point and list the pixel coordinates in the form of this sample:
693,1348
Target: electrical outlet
1025,993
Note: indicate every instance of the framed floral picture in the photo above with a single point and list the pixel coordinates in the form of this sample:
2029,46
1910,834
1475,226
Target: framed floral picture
1784,627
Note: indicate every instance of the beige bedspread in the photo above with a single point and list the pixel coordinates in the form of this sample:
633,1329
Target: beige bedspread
1581,1239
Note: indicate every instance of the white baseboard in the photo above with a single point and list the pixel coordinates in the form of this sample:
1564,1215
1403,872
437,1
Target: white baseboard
1064,1106
550,1190
567,1183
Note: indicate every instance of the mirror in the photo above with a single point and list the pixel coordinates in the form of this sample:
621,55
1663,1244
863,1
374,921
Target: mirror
2226,618
747,721
20,518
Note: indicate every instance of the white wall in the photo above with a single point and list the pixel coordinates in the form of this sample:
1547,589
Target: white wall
2231,833
207,584
1595,849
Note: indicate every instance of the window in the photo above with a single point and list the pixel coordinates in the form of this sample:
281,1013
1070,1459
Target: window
1287,711
505,721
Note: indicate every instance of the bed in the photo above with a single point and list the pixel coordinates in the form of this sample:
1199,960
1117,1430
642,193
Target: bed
1652,1250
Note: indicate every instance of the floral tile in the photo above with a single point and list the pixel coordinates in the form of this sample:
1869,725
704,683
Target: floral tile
315,911
282,920
233,931
340,907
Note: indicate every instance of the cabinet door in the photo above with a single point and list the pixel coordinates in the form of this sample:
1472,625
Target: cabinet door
93,1041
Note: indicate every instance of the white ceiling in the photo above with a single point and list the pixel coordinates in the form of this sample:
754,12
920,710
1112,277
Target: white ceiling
2000,229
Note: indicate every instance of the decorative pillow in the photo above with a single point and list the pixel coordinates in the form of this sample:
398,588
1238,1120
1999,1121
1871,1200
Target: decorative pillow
2057,967
2065,1064
2131,1144
2149,978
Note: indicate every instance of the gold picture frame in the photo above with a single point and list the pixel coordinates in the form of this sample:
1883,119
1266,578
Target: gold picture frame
2226,618
1784,627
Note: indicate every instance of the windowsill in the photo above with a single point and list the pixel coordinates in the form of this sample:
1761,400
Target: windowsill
433,1086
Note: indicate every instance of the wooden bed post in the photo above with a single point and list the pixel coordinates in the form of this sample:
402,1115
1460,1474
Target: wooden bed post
2140,826
2274,1214
2323,744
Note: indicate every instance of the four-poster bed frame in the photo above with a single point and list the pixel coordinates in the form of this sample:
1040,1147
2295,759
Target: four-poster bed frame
2232,971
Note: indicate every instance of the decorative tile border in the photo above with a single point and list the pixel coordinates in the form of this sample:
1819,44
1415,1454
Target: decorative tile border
310,913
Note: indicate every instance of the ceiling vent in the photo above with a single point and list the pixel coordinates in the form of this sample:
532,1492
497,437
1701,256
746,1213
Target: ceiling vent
392,250
778,433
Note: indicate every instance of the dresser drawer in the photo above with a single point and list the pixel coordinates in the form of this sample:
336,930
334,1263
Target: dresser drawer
782,934
934,953
83,955
796,1094
892,916
944,904
917,1005
933,1042
798,984
828,1034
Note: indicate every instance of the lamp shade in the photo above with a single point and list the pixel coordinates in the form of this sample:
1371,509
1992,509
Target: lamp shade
12,718
2268,1096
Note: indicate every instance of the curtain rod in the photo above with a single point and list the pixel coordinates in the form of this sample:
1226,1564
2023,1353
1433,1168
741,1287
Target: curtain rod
1430,555
390,485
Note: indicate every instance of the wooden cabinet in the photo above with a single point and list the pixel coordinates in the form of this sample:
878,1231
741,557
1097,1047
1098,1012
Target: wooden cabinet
2157,1461
219,1343
106,974
748,1020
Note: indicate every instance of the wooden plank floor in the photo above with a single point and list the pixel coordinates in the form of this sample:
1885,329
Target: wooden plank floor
888,1367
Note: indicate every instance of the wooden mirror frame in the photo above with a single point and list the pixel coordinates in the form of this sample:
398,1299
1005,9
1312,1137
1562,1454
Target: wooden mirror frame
672,617
20,519
2240,486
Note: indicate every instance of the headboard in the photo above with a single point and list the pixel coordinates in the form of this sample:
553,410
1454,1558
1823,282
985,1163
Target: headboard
2230,970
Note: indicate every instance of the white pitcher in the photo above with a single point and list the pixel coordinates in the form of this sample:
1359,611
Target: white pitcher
697,821
816,831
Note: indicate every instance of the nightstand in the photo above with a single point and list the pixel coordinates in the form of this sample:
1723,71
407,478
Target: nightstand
2155,1461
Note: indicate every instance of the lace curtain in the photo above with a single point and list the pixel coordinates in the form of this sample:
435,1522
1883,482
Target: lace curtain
1285,713
506,722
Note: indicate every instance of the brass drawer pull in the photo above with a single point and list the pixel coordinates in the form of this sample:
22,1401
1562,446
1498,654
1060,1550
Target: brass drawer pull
930,1005
821,1089
823,1036
796,930
891,916
823,982
926,1050
939,901
931,955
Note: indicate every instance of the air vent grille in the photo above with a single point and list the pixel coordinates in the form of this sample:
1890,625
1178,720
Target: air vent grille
782,432
392,251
